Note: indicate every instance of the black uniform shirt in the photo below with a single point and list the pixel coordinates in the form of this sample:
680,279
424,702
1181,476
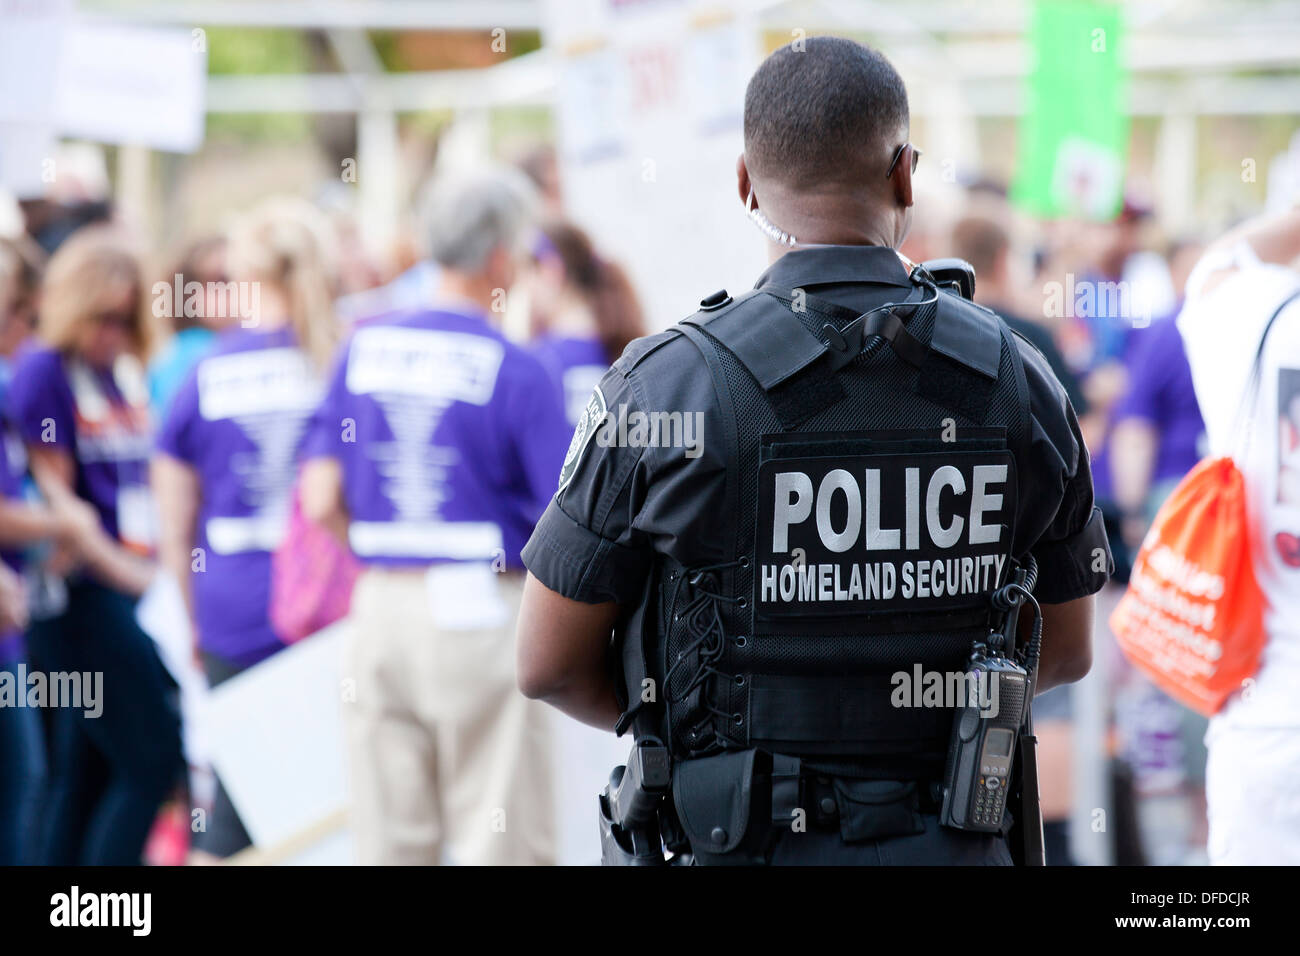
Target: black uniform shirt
622,501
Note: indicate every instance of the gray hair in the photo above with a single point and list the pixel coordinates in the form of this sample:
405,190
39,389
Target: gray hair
467,216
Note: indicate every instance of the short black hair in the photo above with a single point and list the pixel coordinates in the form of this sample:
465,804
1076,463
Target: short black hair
821,109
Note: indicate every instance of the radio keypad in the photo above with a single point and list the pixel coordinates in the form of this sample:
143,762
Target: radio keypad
990,799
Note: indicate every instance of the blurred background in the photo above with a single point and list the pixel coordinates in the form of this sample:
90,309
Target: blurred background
1078,153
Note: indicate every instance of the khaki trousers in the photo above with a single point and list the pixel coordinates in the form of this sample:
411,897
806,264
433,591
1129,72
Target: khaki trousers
447,757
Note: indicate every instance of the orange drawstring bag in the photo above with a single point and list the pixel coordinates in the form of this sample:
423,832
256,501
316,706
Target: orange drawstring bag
1192,619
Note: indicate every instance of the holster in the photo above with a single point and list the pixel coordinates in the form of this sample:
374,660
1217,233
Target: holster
619,846
631,808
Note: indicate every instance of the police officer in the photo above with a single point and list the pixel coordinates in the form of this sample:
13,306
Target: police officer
792,510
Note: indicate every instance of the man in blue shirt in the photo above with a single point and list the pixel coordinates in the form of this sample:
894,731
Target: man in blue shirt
433,454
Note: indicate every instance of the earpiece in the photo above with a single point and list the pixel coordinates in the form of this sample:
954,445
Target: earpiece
765,225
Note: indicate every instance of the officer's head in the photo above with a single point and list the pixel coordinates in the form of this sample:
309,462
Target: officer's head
478,225
826,152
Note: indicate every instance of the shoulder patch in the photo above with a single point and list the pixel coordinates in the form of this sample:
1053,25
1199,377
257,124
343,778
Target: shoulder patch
590,421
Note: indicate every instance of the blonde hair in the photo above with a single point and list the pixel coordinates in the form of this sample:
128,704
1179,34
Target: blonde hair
288,243
95,264
22,263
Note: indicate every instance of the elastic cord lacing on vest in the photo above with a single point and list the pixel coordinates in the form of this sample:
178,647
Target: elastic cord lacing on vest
702,621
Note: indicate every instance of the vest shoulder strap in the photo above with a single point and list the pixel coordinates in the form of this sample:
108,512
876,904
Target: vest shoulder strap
764,335
780,346
967,333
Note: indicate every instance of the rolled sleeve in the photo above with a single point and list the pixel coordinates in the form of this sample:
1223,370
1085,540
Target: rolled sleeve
587,545
1076,566
581,565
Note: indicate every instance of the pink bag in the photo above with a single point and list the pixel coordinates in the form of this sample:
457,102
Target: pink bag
312,575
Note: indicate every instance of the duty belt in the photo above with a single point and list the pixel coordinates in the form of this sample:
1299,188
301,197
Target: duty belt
826,799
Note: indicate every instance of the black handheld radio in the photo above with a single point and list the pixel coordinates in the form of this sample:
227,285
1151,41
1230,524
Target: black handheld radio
982,750
986,729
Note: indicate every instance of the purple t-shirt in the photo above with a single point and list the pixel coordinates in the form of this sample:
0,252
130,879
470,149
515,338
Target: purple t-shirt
238,421
450,439
575,365
1161,393
13,466
100,418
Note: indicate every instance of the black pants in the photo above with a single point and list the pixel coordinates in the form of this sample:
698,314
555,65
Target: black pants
108,774
224,835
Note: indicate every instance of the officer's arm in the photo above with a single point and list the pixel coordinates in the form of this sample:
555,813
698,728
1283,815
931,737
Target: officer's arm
589,556
563,648
1067,641
1273,238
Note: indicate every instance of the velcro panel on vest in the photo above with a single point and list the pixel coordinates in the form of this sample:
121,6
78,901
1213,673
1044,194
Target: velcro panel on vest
838,714
961,369
799,398
769,340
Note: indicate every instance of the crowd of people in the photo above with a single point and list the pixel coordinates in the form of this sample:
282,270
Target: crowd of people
1101,301
284,438
390,452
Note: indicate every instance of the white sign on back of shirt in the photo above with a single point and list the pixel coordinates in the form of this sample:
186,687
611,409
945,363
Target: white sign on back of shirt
578,384
257,381
444,366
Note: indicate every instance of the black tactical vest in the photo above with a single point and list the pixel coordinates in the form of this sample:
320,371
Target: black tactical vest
872,492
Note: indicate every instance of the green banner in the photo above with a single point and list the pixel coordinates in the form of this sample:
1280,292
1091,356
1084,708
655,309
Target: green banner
1073,142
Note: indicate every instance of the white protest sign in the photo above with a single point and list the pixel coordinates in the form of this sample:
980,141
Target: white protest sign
275,734
132,86
30,41
649,111
25,156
